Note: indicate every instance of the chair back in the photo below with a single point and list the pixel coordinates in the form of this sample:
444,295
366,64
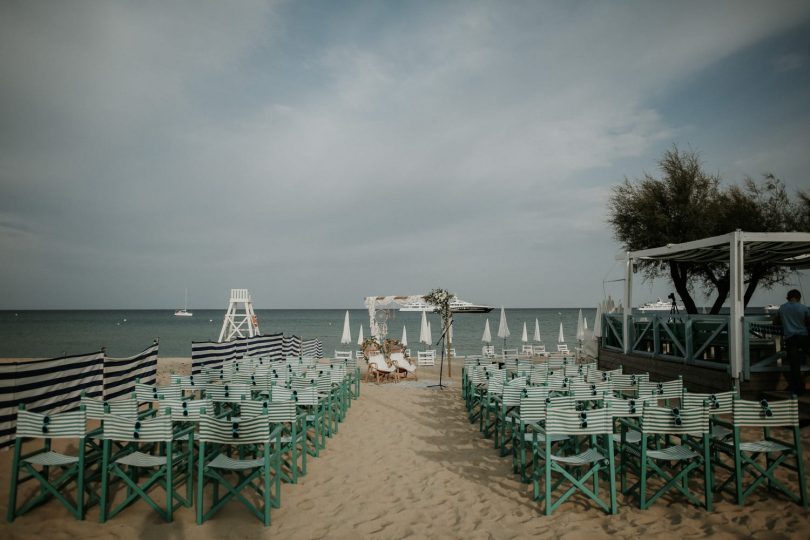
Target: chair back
237,432
673,421
156,429
720,403
96,408
662,390
65,425
569,421
764,413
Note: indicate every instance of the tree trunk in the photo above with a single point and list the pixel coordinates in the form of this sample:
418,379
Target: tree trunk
752,286
680,276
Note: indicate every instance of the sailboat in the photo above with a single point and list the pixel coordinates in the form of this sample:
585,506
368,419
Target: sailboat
184,312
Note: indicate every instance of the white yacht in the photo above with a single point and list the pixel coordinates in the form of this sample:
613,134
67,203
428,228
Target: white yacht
659,305
456,306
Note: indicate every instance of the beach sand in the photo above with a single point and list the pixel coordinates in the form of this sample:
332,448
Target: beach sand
407,464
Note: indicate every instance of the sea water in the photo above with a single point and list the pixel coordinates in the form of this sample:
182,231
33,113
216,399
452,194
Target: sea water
45,334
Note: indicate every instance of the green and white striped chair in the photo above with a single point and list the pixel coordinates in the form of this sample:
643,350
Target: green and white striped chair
675,463
761,459
144,438
39,463
627,384
505,404
598,457
528,429
262,475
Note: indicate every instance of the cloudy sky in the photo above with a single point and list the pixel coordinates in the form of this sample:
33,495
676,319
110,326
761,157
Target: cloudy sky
320,152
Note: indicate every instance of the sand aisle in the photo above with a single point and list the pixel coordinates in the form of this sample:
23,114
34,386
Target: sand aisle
406,463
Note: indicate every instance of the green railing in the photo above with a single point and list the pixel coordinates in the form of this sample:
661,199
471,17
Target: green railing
700,340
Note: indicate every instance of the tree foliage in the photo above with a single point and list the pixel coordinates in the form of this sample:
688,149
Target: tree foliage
686,203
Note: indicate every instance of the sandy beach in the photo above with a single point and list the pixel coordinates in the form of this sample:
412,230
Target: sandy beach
407,464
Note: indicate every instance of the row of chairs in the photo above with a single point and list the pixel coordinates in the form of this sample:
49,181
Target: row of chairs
244,433
569,426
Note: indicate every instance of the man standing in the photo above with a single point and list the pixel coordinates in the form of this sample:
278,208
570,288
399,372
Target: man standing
795,319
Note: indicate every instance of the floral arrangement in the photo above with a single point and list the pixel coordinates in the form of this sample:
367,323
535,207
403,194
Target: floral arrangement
441,299
369,343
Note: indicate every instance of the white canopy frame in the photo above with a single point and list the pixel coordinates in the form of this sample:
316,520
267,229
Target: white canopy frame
382,303
790,249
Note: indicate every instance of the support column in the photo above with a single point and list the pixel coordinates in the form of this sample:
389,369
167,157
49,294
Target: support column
628,302
736,307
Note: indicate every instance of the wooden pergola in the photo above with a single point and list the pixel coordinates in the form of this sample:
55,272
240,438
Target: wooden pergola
790,249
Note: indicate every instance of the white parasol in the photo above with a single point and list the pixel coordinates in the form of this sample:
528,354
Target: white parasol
580,328
360,336
597,323
423,330
487,337
404,336
347,331
503,328
537,330
429,335
525,337
561,337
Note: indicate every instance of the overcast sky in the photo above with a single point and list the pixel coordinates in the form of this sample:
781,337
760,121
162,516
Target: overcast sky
320,152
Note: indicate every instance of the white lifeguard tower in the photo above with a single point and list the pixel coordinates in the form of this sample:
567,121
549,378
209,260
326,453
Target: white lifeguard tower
240,320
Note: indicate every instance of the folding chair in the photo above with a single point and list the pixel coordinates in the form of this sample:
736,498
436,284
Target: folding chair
578,468
505,405
776,453
261,475
674,463
140,452
38,463
528,429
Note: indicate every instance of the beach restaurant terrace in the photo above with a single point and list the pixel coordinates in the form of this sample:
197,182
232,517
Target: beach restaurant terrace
718,351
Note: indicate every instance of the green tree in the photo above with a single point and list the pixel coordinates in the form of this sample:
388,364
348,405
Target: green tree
686,203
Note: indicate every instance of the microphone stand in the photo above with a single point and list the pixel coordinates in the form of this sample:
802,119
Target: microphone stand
441,365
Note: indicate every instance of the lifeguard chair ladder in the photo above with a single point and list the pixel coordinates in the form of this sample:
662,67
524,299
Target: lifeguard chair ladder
239,323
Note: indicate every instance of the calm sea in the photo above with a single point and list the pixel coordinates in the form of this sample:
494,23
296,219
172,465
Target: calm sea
43,334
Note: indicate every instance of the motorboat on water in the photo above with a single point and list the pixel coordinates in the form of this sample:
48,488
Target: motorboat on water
659,305
456,306
770,309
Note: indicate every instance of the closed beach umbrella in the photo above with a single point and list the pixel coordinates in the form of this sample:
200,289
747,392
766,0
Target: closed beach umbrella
537,330
597,324
347,331
585,323
525,337
360,336
580,328
561,337
404,336
423,330
503,328
429,335
487,337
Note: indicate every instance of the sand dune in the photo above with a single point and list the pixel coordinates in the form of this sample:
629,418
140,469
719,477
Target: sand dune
407,464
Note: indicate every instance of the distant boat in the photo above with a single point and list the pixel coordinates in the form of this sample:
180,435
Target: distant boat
184,312
771,308
456,306
659,305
